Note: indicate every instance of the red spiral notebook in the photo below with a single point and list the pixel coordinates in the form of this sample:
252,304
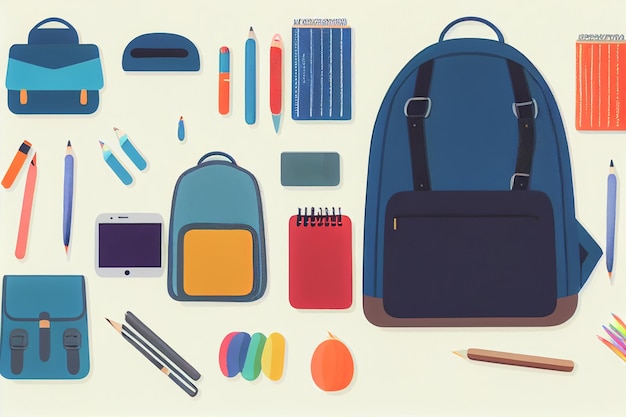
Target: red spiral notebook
320,259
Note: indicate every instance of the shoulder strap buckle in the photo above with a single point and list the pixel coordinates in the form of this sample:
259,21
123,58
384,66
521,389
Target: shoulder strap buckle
525,110
417,107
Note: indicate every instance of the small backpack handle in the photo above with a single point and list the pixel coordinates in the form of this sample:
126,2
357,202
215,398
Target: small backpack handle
472,19
37,35
217,153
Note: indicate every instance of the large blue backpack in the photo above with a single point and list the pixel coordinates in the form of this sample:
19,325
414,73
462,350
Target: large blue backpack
469,214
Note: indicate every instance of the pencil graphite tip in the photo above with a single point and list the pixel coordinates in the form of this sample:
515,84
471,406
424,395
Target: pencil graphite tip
251,29
101,144
69,143
459,353
276,121
611,163
116,325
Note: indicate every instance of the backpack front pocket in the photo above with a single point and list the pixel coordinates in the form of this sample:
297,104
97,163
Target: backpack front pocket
218,260
453,254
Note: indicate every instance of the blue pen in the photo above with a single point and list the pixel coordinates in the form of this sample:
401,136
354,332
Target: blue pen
115,164
611,202
250,78
68,195
130,150
181,129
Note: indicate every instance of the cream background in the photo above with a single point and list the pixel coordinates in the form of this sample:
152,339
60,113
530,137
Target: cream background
406,372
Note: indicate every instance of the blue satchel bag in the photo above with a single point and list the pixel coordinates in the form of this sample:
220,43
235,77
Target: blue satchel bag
53,73
44,332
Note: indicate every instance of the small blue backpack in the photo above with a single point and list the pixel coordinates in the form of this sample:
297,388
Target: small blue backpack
216,247
469,213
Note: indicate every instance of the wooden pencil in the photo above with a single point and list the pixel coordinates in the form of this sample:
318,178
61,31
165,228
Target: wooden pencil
519,359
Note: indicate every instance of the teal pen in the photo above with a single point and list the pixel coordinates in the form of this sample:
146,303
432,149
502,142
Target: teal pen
115,164
130,150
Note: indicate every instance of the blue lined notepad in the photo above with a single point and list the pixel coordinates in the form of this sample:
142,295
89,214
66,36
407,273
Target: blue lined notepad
321,70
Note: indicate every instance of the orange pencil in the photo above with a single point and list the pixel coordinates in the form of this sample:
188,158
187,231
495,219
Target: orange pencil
224,81
276,79
614,348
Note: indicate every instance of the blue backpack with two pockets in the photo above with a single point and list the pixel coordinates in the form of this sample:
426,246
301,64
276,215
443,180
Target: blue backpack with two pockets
469,213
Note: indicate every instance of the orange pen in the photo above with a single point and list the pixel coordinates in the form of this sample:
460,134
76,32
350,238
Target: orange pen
16,164
224,81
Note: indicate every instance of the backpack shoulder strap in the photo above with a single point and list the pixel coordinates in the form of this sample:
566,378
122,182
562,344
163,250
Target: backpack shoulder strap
418,108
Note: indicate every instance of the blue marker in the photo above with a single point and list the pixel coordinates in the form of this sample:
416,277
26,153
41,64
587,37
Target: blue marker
115,165
181,129
250,78
130,150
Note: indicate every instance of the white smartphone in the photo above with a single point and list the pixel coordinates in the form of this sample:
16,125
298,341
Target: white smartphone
129,245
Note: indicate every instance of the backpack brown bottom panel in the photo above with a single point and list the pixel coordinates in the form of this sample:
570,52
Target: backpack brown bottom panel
376,314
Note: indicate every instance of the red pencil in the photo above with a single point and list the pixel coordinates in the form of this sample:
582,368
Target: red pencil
276,79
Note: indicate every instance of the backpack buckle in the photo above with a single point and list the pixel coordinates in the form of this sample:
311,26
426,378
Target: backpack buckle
525,110
417,107
519,181
18,341
71,343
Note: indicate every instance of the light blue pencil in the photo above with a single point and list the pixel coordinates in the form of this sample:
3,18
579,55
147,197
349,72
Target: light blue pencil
611,202
250,78
115,164
130,150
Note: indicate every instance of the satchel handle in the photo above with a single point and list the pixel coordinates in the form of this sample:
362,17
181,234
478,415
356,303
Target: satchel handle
217,153
37,35
472,19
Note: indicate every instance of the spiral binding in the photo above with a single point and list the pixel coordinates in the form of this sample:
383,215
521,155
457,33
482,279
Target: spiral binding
324,217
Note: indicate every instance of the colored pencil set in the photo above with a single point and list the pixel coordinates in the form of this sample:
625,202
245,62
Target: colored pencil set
616,331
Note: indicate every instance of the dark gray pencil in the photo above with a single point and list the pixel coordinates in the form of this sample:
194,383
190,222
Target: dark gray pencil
154,357
158,343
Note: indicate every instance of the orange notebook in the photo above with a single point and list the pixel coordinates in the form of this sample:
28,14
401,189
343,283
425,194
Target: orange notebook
600,85
320,260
